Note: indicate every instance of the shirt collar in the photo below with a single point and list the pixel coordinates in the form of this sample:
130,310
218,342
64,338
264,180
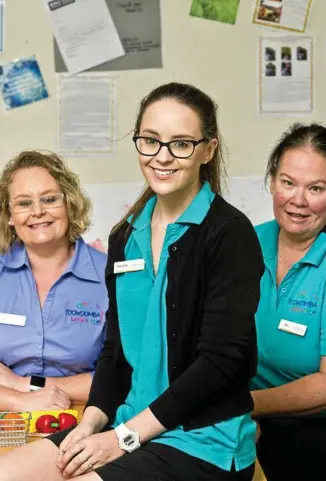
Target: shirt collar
194,214
144,218
16,257
317,251
197,210
269,239
80,265
269,244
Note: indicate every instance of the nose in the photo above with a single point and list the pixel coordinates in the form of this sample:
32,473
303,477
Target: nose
299,198
37,208
164,156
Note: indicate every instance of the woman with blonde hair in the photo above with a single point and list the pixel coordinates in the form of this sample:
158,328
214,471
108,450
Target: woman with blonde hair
53,295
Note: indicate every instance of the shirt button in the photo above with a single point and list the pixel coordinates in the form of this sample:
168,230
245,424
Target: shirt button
175,367
174,336
40,333
283,290
174,248
173,307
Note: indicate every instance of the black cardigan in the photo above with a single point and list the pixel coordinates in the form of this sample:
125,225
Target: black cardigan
213,289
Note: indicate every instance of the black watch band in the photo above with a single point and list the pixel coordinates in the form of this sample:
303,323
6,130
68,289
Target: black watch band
37,382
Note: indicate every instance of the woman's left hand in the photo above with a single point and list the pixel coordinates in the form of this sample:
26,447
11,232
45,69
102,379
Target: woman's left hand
90,453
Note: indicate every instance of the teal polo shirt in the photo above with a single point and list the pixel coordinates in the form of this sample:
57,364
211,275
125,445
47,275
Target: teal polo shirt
300,298
142,319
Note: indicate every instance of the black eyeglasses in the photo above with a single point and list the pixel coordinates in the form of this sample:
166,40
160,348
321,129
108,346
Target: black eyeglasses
180,149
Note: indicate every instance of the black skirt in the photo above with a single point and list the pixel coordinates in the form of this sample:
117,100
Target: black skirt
159,462
293,448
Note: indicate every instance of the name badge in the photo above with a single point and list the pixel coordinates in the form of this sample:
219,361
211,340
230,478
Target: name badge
12,319
129,266
292,327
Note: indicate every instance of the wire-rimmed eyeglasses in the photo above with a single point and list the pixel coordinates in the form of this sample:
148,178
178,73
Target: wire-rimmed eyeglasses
180,148
47,201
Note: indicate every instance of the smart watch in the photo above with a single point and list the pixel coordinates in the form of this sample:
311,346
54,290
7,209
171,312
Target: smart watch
36,383
128,439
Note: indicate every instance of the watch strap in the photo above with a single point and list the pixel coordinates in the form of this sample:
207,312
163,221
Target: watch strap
122,430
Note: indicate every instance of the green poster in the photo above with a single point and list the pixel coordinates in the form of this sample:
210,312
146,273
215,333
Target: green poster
224,11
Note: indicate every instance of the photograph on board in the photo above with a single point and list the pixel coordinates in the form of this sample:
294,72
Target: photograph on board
224,11
270,11
286,53
286,69
270,69
302,54
270,54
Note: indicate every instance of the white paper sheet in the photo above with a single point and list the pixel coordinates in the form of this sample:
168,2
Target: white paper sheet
138,23
286,75
87,115
85,32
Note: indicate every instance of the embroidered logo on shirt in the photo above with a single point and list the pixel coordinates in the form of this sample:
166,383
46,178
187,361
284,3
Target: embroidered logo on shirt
85,313
304,305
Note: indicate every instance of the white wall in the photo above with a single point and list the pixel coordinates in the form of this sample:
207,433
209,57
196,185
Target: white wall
220,59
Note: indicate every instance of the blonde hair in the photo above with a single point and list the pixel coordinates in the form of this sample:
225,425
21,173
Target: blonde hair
77,203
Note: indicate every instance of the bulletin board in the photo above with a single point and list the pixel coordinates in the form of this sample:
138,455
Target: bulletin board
219,58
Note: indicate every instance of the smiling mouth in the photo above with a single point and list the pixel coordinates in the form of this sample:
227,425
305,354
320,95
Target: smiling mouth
297,216
41,225
164,172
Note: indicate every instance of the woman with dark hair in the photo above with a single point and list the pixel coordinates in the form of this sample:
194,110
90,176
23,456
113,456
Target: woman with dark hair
170,397
289,390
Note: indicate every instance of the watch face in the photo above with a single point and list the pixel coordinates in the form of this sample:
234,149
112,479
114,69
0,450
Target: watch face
129,440
37,382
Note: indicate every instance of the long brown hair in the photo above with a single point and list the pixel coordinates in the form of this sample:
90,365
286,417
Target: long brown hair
214,171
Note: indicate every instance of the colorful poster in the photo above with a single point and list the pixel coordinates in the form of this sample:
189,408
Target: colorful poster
224,11
285,75
284,14
22,83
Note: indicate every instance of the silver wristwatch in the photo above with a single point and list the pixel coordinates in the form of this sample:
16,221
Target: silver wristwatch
128,440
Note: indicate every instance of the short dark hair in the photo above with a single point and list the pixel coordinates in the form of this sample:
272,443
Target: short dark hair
296,137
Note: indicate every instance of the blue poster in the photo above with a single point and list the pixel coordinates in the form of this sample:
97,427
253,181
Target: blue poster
22,83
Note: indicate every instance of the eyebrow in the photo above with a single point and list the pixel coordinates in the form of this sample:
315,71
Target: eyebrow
44,192
178,136
318,181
